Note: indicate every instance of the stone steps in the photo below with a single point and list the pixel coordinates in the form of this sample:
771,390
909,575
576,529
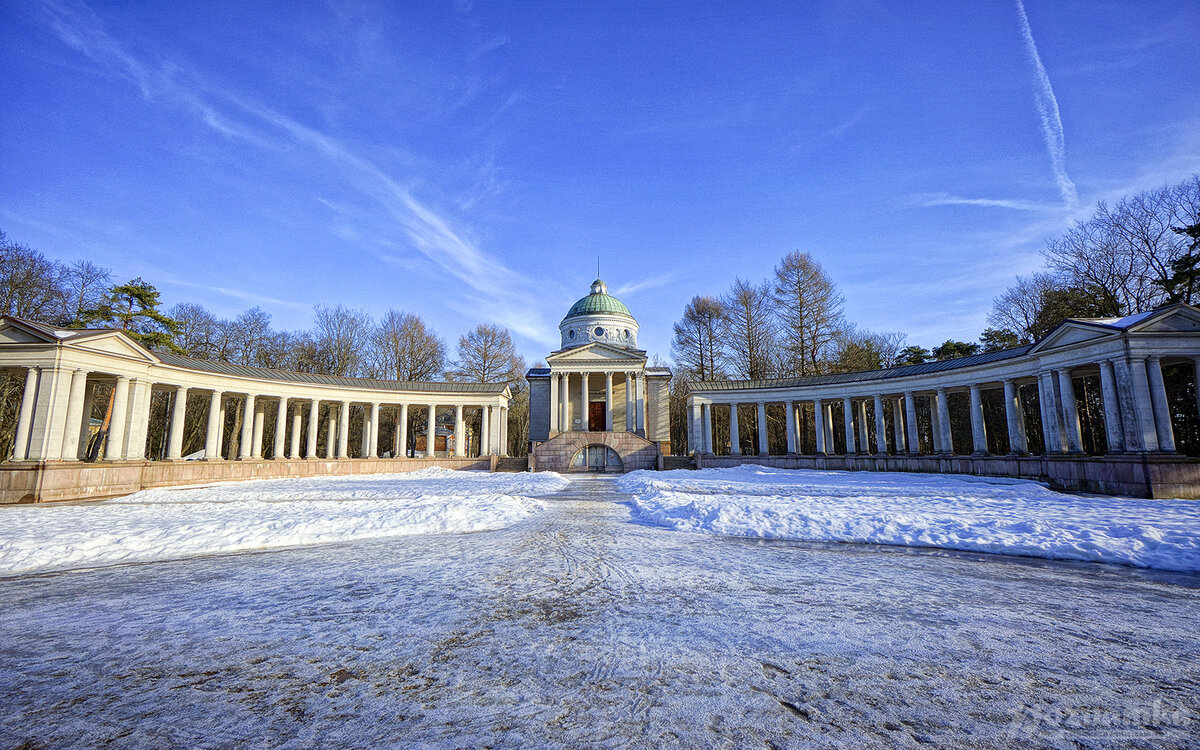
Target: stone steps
512,464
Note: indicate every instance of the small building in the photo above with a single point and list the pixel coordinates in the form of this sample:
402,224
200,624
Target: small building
597,406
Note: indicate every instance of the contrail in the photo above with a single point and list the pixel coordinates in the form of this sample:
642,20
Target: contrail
1047,105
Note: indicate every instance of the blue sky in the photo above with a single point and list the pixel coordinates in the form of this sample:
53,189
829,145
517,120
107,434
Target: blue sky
469,161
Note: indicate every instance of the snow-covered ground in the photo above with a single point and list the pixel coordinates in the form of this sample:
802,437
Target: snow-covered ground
982,514
182,522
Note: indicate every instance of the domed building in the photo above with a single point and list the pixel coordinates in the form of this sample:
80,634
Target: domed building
596,406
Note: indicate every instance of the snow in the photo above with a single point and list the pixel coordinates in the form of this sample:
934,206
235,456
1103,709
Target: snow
981,514
181,522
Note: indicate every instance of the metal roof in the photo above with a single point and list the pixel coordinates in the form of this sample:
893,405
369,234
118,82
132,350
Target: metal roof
599,302
866,375
287,376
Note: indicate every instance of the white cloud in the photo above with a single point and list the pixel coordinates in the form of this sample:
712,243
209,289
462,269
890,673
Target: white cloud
1051,122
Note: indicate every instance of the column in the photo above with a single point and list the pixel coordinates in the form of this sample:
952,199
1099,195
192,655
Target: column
762,428
629,415
25,417
73,429
564,402
89,400
260,418
1051,431
553,406
314,420
735,447
790,420
114,448
458,431
373,445
707,430
910,421
280,429
819,425
1070,414
935,424
213,428
978,429
583,402
640,406
828,427
331,432
485,432
881,429
364,441
1112,412
503,431
297,426
1137,416
402,432
343,436
1162,409
693,430
864,439
221,429
1012,416
944,420
848,419
178,415
608,412
898,424
431,433
246,444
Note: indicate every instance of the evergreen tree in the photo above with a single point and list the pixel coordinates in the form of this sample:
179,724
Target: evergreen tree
133,308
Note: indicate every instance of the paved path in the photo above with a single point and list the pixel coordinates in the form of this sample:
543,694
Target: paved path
581,628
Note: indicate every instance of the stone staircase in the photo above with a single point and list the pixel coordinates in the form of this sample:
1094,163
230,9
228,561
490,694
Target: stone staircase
512,464
678,462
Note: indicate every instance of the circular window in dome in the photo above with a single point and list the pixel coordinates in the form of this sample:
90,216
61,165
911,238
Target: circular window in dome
571,333
599,331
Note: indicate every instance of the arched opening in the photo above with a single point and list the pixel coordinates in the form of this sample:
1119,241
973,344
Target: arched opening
596,458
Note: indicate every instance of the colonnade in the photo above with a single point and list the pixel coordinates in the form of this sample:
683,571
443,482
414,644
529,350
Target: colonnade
565,386
1136,412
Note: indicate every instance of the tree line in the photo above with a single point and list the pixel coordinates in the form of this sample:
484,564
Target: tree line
343,341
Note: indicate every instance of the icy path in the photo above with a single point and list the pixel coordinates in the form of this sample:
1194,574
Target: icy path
576,627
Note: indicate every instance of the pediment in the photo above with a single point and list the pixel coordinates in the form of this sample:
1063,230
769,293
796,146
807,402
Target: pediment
113,343
12,334
1073,332
1181,319
596,352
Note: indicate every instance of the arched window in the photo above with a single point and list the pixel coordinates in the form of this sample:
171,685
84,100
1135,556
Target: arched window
596,458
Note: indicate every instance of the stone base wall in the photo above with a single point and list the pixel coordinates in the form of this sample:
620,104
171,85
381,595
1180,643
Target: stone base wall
555,454
26,482
1158,475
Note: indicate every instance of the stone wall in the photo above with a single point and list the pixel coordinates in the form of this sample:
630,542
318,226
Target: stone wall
1137,475
73,480
556,453
539,409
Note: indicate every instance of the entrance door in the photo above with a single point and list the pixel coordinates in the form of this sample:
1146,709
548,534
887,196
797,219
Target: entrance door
596,416
595,457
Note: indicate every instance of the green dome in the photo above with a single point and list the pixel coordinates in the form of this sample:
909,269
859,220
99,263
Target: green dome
599,302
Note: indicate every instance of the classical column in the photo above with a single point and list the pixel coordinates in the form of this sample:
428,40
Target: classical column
735,447
640,406
331,431
1162,409
790,420
221,429
364,438
178,415
707,429
564,402
114,448
73,429
1052,432
1070,414
503,430
314,422
213,427
373,445
1012,416
935,424
583,402
260,418
458,431
881,429
485,431
431,433
693,431
1112,412
848,419
864,438
608,412
978,429
761,420
910,422
279,450
297,426
343,438
25,417
402,432
819,426
246,443
553,404
629,415
1137,415
898,424
944,420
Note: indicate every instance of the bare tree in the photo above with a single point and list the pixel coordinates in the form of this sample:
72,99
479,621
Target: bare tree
809,307
342,336
31,286
197,330
406,349
85,286
1017,308
697,343
251,334
487,355
749,335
